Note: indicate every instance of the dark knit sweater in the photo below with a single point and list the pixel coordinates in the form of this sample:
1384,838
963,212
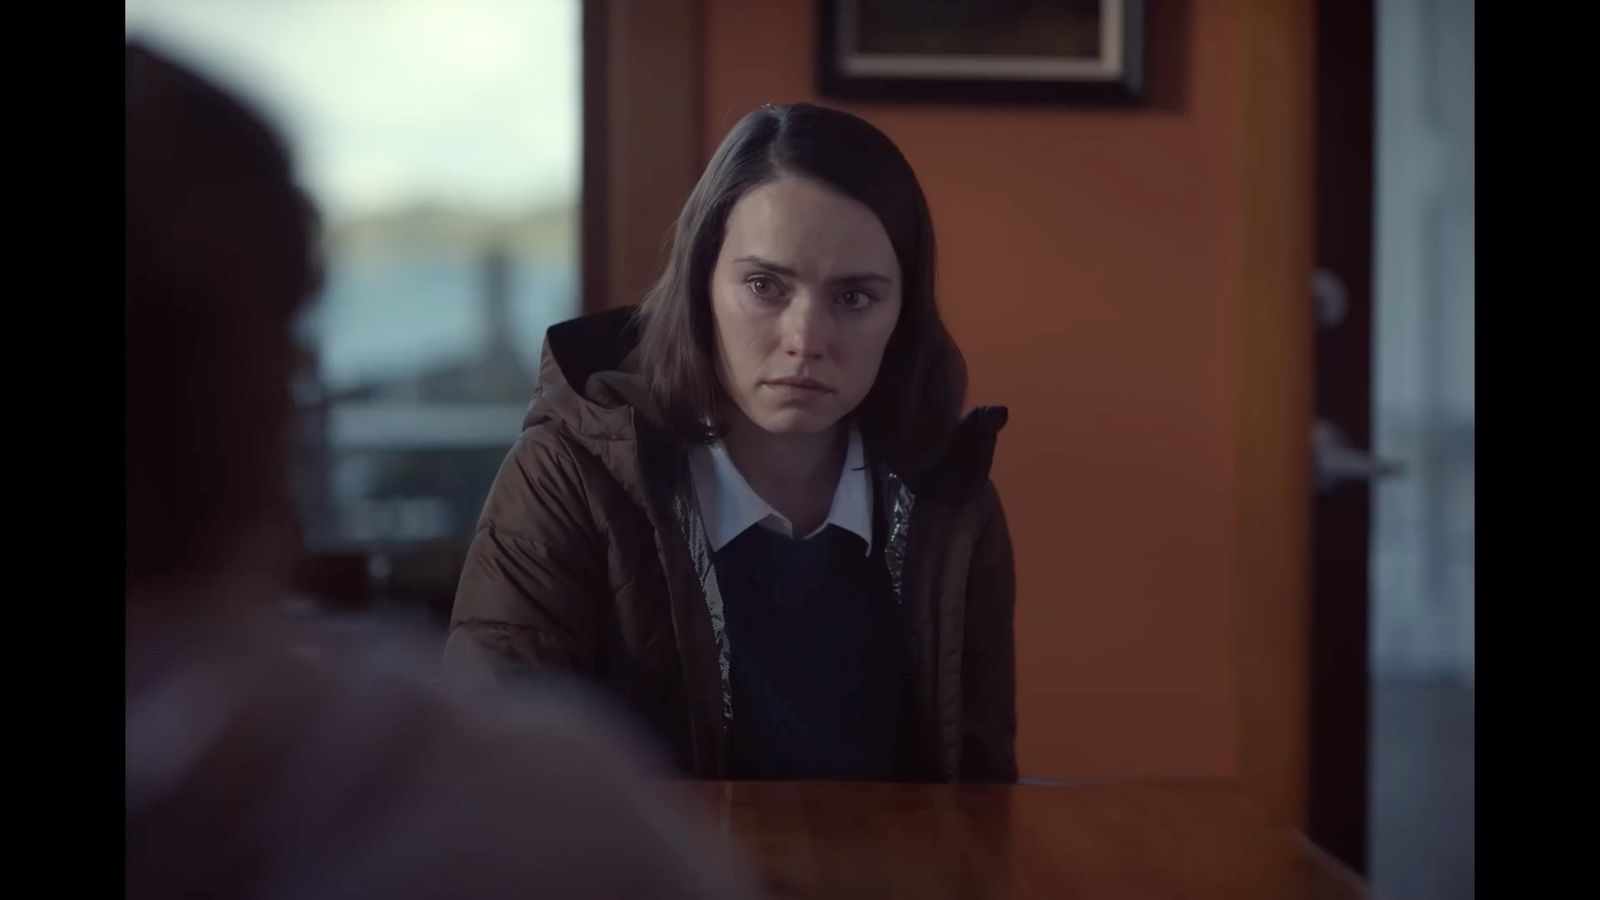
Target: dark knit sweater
817,656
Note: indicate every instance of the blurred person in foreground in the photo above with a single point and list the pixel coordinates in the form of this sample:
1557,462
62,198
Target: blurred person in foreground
252,770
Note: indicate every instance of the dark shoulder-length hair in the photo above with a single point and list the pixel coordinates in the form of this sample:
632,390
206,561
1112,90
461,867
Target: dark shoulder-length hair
913,407
219,261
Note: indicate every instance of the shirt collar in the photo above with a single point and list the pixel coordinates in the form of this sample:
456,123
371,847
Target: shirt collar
729,505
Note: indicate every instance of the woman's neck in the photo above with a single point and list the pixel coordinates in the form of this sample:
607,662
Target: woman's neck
795,473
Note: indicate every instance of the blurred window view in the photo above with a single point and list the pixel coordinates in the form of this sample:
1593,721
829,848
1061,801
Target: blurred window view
1422,791
441,142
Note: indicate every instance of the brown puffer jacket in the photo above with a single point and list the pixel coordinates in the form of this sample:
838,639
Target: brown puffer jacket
590,557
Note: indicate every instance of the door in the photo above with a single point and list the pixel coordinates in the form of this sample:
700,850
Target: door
1342,433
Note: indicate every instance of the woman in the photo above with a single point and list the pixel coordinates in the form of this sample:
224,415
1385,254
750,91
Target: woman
752,508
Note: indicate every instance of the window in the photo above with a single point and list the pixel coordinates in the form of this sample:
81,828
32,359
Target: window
442,144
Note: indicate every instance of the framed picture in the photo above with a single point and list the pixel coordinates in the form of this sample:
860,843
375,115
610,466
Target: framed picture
1023,51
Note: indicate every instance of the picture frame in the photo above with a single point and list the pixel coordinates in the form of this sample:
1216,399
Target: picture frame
1071,52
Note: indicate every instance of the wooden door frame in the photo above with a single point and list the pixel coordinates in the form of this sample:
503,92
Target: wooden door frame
1308,82
641,139
1272,565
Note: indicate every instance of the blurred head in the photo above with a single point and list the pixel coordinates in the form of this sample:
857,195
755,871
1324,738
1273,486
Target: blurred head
799,292
218,262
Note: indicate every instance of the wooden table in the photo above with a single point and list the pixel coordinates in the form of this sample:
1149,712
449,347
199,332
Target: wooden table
844,840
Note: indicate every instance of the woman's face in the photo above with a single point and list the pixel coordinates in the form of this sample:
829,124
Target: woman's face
805,294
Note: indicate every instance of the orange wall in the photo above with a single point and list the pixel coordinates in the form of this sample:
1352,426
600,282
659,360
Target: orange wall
1090,269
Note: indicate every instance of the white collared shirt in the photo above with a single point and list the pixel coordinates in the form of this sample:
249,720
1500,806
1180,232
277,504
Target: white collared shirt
729,505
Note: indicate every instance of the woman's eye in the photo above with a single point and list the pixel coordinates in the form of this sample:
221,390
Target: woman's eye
855,301
762,286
